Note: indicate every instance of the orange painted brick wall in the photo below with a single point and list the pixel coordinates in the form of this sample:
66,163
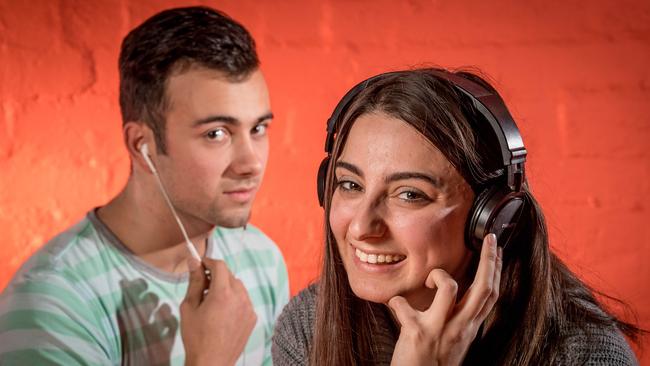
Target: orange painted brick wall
576,77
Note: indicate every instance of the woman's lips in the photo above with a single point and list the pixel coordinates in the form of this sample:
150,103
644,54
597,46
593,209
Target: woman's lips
380,258
372,262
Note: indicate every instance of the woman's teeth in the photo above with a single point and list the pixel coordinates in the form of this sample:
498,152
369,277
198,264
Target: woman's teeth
378,258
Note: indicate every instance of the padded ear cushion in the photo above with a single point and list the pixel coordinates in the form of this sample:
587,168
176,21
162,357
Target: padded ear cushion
320,183
497,210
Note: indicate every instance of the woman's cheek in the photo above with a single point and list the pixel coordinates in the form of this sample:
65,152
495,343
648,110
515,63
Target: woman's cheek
431,240
341,213
335,218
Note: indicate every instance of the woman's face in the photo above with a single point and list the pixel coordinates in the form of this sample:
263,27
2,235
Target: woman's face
398,211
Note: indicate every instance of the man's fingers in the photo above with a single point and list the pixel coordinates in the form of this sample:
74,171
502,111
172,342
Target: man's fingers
483,285
196,284
444,300
402,310
221,276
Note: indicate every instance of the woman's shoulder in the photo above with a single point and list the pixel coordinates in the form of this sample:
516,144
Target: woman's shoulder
301,309
595,345
294,329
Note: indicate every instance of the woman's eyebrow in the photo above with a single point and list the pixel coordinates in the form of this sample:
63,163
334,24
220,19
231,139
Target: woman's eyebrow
434,181
414,175
348,166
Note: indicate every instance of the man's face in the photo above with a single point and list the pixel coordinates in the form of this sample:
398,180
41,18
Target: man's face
217,145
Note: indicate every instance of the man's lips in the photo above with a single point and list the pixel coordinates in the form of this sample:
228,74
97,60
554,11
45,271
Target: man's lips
241,194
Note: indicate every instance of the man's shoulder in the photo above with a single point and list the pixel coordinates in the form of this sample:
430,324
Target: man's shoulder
43,294
57,276
59,254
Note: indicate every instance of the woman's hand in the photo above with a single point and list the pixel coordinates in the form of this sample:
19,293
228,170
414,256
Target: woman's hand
442,334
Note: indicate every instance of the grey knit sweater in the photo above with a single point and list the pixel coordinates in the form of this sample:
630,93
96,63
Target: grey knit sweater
294,329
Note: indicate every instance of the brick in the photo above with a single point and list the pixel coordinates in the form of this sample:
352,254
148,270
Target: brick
597,127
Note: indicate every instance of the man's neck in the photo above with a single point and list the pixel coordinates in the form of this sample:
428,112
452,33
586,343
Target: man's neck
148,228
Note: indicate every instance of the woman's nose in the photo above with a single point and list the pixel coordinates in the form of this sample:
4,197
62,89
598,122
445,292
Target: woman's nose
367,222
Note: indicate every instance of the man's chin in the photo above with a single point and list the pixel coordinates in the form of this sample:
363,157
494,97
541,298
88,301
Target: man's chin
233,219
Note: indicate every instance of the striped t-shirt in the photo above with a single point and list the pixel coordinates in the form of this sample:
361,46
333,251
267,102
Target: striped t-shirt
84,298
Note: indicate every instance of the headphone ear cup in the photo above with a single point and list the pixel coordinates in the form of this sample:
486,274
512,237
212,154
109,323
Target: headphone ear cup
496,210
322,176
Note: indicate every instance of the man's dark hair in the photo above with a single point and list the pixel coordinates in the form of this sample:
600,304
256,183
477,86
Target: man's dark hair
172,41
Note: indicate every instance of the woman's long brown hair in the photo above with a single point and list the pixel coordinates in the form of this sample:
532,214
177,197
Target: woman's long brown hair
539,293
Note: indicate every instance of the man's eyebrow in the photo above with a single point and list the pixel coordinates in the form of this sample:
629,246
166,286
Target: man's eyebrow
217,118
351,167
414,175
265,117
229,119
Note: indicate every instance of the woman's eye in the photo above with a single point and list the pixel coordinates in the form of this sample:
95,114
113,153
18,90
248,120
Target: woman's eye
347,185
216,135
412,196
260,129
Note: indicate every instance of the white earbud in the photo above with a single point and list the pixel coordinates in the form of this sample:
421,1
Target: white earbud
144,150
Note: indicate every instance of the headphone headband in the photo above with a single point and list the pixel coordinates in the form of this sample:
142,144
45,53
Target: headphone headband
486,102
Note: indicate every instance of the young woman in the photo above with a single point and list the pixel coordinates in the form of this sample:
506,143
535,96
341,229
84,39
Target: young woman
423,165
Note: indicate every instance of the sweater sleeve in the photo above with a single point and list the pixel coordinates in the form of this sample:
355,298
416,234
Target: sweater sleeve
294,330
596,346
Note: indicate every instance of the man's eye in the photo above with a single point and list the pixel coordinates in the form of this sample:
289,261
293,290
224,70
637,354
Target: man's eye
260,129
216,135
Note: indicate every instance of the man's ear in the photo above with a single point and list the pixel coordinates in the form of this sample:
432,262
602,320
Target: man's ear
135,135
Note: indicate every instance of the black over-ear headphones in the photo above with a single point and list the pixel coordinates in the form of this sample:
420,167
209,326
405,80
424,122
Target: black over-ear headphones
498,206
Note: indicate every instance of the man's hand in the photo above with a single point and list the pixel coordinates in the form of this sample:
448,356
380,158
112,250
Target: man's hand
215,326
442,334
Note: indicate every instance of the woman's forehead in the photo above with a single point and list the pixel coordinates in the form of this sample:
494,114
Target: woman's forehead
380,141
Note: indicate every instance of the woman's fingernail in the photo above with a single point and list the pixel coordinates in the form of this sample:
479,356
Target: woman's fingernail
500,253
492,238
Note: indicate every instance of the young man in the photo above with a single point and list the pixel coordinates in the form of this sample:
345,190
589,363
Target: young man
113,289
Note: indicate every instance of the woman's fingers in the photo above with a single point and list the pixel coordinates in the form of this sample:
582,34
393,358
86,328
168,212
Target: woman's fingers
403,311
446,329
444,300
483,286
494,296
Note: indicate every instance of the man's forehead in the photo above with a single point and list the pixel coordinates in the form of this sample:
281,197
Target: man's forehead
201,95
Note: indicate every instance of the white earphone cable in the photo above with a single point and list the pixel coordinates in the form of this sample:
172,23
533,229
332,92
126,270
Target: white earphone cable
190,246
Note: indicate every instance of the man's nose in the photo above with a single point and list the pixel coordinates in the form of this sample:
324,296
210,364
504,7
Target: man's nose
248,157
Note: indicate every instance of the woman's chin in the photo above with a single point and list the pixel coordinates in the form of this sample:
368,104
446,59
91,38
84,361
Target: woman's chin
373,294
420,298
